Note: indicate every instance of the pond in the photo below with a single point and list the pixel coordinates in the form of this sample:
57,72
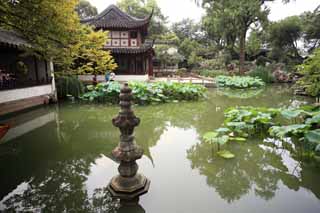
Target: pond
58,159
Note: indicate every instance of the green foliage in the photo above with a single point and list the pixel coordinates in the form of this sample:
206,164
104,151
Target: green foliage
50,26
229,20
225,154
86,10
166,56
310,70
243,122
211,73
283,131
262,73
283,37
314,120
219,138
186,29
313,136
142,9
89,56
69,86
262,61
194,60
188,46
293,113
239,82
55,33
145,93
311,28
240,93
254,43
217,63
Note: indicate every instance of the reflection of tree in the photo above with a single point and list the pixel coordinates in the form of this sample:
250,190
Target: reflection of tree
240,93
67,197
55,159
254,168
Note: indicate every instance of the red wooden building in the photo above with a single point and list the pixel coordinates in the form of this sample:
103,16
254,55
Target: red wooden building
127,40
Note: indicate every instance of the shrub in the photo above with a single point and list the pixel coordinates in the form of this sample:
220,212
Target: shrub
262,61
181,71
211,73
214,64
310,70
69,86
145,93
263,73
238,82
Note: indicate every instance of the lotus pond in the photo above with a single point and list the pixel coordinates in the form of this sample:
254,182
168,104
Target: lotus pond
58,159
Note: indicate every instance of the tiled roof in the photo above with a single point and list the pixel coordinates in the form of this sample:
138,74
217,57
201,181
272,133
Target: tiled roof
114,18
10,38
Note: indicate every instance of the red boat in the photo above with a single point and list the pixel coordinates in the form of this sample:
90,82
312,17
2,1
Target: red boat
4,128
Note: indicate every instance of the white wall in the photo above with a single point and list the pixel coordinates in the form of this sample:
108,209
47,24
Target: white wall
29,92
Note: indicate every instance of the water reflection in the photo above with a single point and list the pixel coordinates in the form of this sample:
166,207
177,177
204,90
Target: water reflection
65,163
257,168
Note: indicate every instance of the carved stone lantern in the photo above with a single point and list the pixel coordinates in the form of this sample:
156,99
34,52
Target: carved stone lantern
129,184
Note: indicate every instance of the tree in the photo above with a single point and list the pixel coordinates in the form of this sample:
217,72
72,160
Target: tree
310,70
188,46
54,31
311,29
254,42
284,36
89,58
85,9
220,30
142,9
235,18
166,50
49,26
186,29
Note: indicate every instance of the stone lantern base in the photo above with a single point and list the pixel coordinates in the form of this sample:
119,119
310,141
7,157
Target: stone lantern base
129,188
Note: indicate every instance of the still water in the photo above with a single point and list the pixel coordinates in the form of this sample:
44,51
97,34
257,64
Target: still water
58,159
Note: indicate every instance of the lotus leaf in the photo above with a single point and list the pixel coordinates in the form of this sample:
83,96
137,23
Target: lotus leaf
225,154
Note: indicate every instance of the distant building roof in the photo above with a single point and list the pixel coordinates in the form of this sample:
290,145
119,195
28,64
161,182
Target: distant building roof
114,18
12,39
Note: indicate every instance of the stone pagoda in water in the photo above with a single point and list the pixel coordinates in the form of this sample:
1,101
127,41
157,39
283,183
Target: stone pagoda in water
129,184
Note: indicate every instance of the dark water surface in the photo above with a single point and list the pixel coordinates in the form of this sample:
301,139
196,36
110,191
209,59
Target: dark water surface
58,159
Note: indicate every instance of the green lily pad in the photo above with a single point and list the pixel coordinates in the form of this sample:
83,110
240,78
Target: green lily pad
223,130
290,114
313,136
238,139
222,140
314,120
209,136
225,154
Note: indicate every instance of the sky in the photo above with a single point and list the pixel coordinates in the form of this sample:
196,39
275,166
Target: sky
176,10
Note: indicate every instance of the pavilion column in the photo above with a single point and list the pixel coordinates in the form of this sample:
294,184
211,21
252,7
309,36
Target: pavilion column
36,69
150,69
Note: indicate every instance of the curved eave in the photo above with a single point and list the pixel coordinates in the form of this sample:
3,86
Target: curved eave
119,26
122,50
118,20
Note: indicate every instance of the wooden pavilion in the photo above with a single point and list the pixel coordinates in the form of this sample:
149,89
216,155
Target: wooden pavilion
127,42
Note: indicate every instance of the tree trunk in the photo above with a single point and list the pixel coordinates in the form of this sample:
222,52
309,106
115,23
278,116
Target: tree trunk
242,55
